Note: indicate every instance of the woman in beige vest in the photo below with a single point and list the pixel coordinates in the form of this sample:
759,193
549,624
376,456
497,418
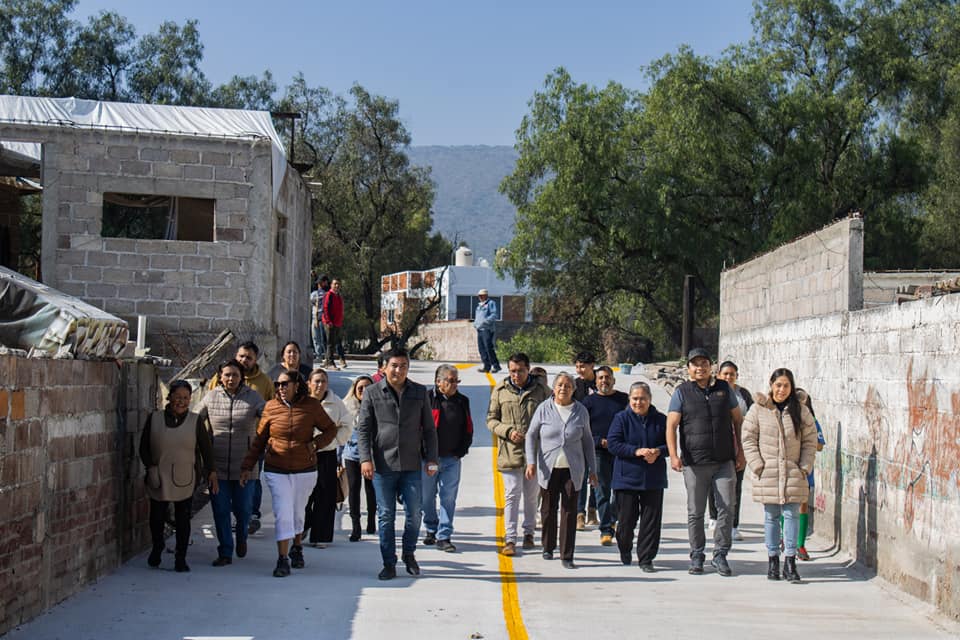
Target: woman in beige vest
168,450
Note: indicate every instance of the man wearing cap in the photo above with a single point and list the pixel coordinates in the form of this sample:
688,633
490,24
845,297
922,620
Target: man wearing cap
708,417
484,321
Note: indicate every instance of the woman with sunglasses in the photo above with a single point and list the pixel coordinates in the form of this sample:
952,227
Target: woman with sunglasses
286,434
351,462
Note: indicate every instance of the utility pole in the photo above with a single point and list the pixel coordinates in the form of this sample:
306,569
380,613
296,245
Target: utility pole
686,338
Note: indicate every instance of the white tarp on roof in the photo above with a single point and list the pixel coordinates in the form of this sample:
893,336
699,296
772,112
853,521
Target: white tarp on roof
154,118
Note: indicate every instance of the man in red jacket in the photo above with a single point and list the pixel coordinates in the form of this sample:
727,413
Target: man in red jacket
332,319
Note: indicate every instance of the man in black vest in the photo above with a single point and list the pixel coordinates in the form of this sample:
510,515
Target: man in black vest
708,417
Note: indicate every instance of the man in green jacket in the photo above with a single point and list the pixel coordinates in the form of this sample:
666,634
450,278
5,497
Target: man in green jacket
512,404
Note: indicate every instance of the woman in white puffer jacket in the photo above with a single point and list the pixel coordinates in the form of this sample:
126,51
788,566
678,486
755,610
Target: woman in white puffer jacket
780,442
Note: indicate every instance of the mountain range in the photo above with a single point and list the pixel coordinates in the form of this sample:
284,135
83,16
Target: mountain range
468,206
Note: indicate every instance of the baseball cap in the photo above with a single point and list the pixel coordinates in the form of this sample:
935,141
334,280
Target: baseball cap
699,352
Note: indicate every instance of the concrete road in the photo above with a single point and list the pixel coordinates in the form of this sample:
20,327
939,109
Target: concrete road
475,593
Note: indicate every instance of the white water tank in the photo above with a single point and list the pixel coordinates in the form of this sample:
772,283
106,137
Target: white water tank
464,257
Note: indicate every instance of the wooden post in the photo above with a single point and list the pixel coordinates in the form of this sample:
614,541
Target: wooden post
686,339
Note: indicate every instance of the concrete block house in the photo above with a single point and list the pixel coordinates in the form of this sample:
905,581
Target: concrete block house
189,216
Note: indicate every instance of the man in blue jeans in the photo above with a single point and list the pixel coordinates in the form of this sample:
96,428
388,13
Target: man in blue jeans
602,406
451,415
485,322
394,425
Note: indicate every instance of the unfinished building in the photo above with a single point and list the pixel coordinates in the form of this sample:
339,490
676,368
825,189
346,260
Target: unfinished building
189,216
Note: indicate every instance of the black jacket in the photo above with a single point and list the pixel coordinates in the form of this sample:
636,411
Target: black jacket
706,426
453,421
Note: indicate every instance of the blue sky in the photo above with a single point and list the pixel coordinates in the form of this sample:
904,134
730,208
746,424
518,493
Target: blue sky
463,72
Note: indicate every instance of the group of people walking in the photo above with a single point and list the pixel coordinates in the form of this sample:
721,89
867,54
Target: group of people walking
399,442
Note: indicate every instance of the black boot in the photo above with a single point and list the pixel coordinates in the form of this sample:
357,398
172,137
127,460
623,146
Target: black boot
790,569
355,532
180,563
371,524
773,568
155,556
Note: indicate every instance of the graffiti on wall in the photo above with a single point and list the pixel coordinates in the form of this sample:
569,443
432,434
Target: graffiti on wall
921,460
929,450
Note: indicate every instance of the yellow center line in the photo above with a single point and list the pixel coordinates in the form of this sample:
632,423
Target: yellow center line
511,600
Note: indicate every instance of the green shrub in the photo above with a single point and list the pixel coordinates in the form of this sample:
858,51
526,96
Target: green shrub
542,344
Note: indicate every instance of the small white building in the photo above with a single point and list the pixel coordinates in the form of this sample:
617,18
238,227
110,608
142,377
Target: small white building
449,330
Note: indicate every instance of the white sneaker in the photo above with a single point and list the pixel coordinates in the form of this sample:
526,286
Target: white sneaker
712,524
737,535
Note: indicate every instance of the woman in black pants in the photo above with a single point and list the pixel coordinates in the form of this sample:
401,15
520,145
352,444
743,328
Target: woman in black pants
351,462
168,450
638,441
321,510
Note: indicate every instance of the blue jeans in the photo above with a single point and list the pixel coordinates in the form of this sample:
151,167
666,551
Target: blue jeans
236,500
488,352
257,492
387,485
771,528
604,494
448,480
319,341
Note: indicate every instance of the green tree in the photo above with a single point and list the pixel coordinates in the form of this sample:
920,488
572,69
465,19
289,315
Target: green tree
246,92
371,207
588,225
34,42
166,67
940,239
101,56
621,193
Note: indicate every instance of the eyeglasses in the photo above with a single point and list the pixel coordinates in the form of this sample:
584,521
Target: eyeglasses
279,384
452,380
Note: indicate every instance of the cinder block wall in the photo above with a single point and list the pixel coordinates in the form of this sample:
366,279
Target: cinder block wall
817,274
456,340
880,287
189,290
71,485
886,390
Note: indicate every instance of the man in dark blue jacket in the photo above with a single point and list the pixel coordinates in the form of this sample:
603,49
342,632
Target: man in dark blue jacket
638,441
451,415
602,407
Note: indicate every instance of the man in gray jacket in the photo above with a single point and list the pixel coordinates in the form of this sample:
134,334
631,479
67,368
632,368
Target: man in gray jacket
394,429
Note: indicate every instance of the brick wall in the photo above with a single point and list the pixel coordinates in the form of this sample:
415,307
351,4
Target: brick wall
71,488
886,389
